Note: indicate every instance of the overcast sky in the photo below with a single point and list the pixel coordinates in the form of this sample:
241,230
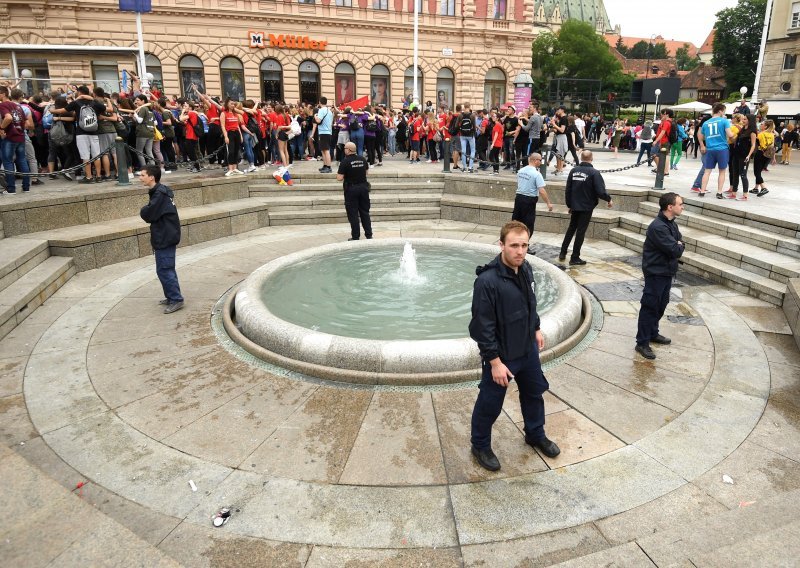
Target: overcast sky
688,20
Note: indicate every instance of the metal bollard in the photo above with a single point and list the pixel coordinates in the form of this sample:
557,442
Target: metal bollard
122,162
662,166
543,166
446,156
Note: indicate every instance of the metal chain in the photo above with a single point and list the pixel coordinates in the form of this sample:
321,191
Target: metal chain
64,171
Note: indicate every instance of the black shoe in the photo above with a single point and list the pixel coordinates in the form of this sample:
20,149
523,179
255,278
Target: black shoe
86,180
577,262
562,257
173,307
660,340
353,238
754,190
486,458
645,351
762,193
546,446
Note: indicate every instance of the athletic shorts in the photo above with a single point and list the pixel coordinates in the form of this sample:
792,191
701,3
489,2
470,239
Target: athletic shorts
107,140
324,142
562,147
88,146
716,158
415,145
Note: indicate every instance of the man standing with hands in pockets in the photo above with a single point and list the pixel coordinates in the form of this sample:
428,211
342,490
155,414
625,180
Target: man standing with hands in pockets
505,325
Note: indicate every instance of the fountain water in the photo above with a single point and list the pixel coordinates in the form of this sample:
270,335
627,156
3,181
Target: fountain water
408,267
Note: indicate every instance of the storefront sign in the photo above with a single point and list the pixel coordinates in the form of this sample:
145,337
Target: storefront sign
522,97
261,40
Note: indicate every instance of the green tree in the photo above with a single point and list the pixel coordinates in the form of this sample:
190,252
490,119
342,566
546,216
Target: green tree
621,47
684,61
638,51
659,51
643,50
737,42
577,52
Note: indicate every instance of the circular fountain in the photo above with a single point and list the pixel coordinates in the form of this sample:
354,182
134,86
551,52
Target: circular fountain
389,311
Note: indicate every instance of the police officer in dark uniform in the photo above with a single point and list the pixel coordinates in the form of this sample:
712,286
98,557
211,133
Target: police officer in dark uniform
505,325
353,172
585,186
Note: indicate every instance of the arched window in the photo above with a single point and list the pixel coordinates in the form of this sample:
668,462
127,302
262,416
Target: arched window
309,82
153,65
494,88
191,73
344,78
231,72
445,89
408,86
379,85
271,80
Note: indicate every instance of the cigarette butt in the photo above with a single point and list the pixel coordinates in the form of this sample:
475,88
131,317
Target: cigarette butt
192,485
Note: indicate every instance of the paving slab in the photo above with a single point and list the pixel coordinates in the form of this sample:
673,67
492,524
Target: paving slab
623,556
327,557
779,348
579,438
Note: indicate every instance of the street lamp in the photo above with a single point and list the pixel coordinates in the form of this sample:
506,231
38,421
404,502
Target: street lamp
743,91
658,93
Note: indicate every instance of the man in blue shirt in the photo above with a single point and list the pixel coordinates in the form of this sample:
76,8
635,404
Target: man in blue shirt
713,138
530,184
324,119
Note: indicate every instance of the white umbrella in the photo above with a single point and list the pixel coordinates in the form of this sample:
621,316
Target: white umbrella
695,106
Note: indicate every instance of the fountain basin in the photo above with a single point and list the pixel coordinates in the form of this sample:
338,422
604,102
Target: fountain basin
259,330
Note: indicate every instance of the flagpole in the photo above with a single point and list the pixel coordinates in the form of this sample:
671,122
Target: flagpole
142,66
415,96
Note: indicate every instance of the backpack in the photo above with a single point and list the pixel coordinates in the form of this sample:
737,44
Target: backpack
453,128
372,125
204,121
294,128
353,124
252,125
59,134
673,132
646,133
87,118
47,121
467,127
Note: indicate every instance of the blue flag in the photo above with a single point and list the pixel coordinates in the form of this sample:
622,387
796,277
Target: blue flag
136,5
124,80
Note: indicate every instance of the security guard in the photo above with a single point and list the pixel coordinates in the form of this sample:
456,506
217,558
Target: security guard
353,172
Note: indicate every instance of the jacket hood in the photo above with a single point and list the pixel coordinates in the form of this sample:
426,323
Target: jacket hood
495,263
161,188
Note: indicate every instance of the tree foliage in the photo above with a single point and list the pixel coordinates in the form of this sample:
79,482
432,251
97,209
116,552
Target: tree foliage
621,47
684,61
737,41
577,51
643,50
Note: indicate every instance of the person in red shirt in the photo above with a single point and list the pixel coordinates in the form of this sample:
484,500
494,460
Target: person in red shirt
432,127
496,143
281,126
232,134
662,137
190,118
416,128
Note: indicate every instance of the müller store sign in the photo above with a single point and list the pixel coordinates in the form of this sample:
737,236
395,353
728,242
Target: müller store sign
261,40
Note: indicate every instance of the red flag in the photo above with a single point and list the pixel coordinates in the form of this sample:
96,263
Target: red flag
357,104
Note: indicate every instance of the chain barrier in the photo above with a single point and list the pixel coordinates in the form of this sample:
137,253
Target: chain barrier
69,170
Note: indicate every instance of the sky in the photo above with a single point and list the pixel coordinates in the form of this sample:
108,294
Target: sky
687,20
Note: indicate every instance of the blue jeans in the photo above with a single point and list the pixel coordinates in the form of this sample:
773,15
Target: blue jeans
297,145
645,147
357,137
15,152
392,142
465,142
247,146
165,269
698,181
527,371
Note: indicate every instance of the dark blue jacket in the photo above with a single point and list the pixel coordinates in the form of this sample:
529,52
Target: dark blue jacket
661,249
504,319
585,187
161,213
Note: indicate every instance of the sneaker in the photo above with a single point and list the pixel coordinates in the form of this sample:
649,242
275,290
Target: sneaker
486,458
661,340
428,161
164,302
167,171
471,171
238,172
230,173
763,192
729,195
68,176
742,198
173,307
194,171
562,257
577,262
645,351
695,190
86,180
251,169
720,196
379,164
6,192
754,190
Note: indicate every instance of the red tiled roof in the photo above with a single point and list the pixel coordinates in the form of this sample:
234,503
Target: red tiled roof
708,45
671,44
704,77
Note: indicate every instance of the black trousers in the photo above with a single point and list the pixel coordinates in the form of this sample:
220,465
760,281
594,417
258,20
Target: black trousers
213,140
655,298
578,223
525,211
356,203
370,142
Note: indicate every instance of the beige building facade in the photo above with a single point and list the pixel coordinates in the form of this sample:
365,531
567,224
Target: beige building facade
469,50
780,73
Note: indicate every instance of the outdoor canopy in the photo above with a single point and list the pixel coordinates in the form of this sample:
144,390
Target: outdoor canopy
694,106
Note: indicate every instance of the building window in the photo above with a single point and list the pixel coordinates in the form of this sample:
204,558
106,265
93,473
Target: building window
190,70
106,75
786,86
379,80
380,4
40,77
447,8
344,77
345,3
305,1
271,80
153,65
408,86
499,9
494,88
309,82
445,87
231,72
789,62
795,15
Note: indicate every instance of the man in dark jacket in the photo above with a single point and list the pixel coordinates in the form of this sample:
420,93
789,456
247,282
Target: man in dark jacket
585,186
662,249
505,326
165,234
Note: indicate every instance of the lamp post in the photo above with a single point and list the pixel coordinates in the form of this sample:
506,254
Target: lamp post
743,91
655,112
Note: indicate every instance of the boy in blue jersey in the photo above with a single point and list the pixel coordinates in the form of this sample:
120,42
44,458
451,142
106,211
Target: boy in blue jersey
713,140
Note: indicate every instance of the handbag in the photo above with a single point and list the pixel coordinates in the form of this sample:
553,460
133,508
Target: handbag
157,136
437,137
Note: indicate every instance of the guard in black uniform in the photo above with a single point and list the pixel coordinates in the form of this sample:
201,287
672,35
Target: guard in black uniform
353,172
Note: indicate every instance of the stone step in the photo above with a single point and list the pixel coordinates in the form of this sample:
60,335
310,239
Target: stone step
734,230
338,215
336,186
734,277
293,201
750,256
375,174
29,291
20,256
99,244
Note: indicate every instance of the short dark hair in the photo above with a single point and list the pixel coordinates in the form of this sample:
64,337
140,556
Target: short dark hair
323,100
84,90
513,226
667,199
668,112
154,171
99,92
718,107
142,98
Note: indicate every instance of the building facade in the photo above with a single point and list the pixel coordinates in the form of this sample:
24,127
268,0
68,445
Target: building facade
290,50
780,74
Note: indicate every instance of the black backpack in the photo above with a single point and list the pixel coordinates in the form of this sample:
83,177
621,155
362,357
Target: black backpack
673,132
353,124
372,125
197,127
453,128
467,127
